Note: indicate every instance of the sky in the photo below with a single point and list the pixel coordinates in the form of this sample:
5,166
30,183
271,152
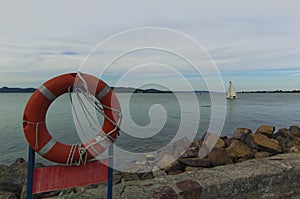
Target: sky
255,44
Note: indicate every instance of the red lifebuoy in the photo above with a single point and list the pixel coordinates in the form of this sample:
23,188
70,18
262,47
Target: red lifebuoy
34,118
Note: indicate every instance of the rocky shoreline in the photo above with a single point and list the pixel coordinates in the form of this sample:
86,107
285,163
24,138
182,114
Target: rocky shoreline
243,145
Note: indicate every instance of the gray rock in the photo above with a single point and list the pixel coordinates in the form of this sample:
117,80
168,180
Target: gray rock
283,132
12,178
237,149
242,133
263,143
157,172
174,166
8,195
167,150
213,140
190,153
295,131
195,162
165,161
219,156
180,146
266,130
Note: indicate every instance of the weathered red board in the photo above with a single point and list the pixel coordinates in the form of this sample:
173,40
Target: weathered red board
61,177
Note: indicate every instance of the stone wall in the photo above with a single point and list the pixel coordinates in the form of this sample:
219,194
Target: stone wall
274,177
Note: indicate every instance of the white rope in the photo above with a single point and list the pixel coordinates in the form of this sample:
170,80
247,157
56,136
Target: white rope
93,123
99,109
83,80
87,113
70,160
69,156
82,155
74,111
36,132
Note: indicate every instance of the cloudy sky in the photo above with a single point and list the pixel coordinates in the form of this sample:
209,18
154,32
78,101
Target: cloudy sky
255,44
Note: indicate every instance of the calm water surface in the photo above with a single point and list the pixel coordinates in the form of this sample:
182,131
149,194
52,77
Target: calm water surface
250,110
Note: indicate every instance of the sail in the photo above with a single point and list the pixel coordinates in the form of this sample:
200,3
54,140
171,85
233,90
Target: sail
231,92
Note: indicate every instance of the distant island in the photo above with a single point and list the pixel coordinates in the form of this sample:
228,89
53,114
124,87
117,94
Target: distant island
151,90
16,90
274,91
116,89
137,90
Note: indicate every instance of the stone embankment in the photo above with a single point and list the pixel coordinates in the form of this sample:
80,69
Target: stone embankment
257,172
273,178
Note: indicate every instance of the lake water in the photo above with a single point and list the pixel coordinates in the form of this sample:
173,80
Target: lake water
251,110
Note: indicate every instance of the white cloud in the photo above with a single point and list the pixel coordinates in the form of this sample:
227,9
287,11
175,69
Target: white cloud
53,37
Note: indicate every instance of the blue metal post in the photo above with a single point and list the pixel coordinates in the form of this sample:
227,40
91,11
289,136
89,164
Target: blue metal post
110,172
31,160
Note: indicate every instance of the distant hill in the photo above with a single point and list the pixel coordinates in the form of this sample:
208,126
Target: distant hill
16,90
116,89
274,91
134,90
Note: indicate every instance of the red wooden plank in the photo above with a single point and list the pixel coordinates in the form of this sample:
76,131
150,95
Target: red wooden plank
61,177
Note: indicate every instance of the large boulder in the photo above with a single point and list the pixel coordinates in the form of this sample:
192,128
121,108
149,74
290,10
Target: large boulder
295,131
13,177
180,146
219,156
191,152
283,132
176,149
174,166
285,139
266,130
165,161
242,133
263,143
238,149
220,143
212,140
158,172
294,142
167,150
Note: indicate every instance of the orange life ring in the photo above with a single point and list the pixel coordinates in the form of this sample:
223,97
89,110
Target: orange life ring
34,118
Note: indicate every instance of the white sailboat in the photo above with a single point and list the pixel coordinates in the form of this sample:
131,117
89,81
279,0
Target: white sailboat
231,93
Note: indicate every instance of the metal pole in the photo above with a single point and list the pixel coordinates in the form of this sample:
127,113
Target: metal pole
110,172
31,160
